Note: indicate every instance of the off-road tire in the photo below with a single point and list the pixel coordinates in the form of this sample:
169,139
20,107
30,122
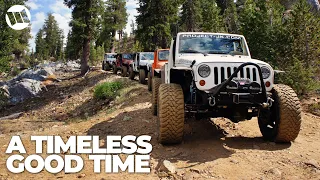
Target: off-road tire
131,73
155,90
115,69
284,115
149,82
107,67
124,71
142,76
103,66
171,114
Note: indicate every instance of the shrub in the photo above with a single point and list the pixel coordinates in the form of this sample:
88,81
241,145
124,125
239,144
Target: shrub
15,71
108,90
3,98
5,63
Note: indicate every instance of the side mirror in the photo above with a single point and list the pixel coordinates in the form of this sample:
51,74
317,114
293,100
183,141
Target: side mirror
277,74
278,71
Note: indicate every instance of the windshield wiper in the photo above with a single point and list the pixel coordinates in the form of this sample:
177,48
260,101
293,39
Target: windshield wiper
217,52
193,51
234,53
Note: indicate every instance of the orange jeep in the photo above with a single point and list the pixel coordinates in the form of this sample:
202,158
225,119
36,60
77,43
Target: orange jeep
161,57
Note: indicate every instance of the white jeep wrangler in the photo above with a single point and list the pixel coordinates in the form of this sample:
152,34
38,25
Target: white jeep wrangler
141,65
213,75
108,61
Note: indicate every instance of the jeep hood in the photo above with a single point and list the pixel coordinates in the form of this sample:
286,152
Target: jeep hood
187,60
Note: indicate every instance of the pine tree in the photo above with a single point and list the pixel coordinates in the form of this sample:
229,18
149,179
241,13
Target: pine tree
133,30
11,42
100,53
93,55
303,29
254,26
222,5
191,17
41,50
74,46
231,17
114,20
49,40
51,31
154,23
85,15
212,20
60,44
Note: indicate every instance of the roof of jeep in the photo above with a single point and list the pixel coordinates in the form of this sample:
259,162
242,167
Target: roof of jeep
211,33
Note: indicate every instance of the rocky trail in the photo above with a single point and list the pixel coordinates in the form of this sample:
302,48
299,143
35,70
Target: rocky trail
215,149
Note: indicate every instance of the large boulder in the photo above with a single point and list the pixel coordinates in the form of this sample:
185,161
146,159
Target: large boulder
22,90
73,65
39,75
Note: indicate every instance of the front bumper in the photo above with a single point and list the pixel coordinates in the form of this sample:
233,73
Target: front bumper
239,95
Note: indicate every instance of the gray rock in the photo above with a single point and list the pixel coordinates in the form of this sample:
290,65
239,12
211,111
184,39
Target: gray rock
81,175
166,166
12,116
275,171
313,163
73,65
39,75
24,89
234,161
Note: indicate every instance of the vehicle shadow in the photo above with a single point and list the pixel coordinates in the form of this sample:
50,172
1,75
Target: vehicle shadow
256,143
203,141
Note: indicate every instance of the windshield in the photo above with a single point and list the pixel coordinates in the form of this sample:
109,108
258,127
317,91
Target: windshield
127,56
147,56
163,55
212,44
111,56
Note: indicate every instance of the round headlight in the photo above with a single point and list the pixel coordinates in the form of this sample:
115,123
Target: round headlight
204,71
265,72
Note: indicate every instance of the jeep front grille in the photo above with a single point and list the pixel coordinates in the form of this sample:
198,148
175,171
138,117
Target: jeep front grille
223,73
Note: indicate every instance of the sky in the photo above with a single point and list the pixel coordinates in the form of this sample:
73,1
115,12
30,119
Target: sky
40,8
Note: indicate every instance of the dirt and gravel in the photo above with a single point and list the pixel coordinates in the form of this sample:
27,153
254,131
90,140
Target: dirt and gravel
216,149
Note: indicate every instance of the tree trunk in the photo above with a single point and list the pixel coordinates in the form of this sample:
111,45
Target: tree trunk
85,57
86,41
112,41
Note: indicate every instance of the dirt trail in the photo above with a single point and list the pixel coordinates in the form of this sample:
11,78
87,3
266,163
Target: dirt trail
217,149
